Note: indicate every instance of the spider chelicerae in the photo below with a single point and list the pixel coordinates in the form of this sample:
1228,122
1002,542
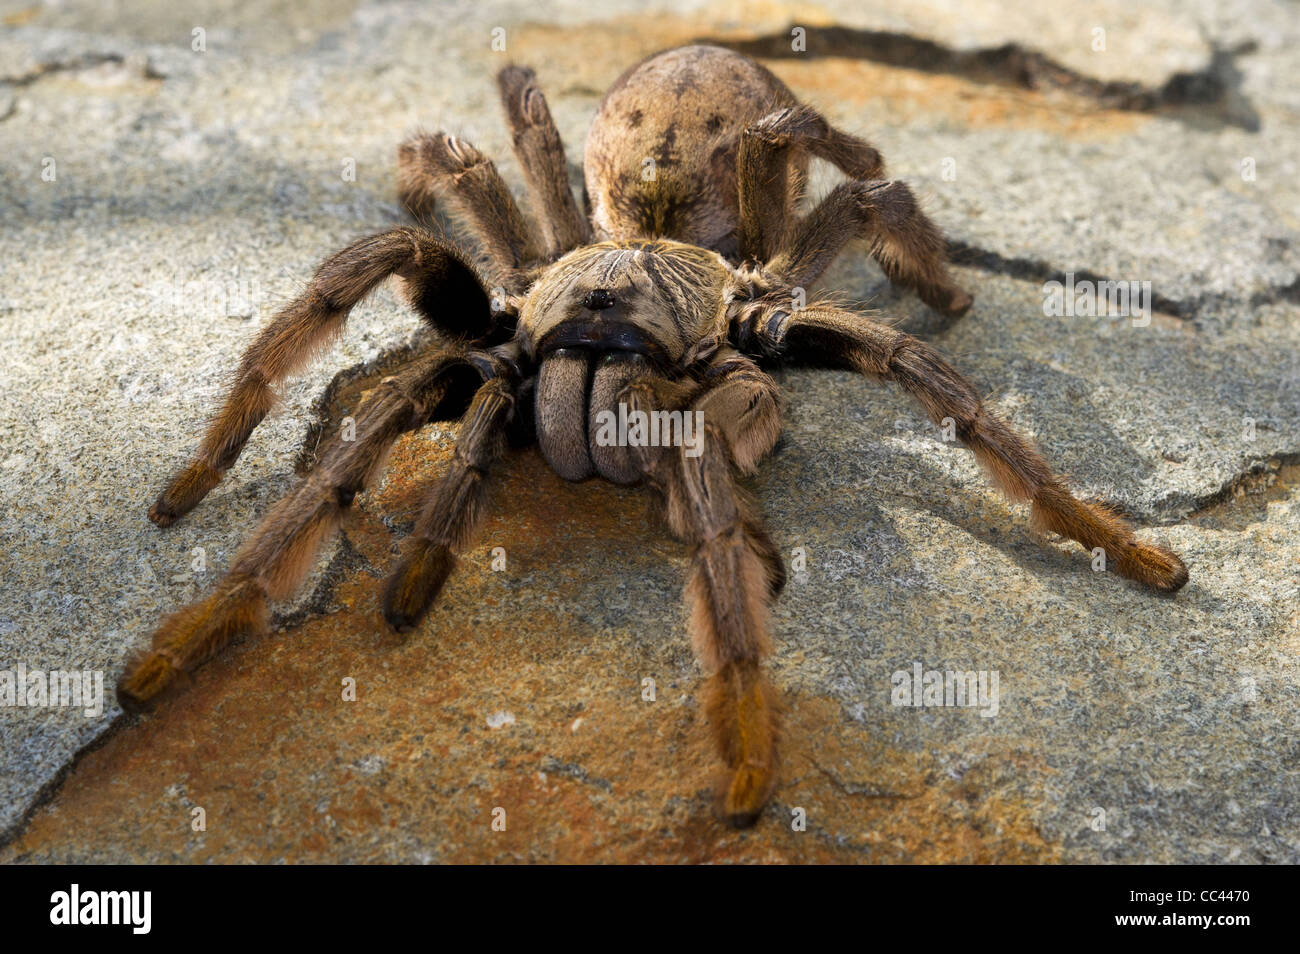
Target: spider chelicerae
680,282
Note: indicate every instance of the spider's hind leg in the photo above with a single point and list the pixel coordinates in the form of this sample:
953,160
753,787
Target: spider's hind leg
449,518
909,247
274,560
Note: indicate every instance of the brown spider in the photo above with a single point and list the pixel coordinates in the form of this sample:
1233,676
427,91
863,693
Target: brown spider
665,297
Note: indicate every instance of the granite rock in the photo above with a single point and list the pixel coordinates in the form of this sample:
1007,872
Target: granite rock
160,201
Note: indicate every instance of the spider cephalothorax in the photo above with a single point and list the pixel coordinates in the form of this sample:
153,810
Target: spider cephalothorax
602,317
663,296
664,300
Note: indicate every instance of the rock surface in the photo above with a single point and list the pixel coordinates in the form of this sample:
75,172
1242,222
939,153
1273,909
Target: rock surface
193,191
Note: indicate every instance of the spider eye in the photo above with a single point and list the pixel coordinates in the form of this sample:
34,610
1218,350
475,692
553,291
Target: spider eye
598,299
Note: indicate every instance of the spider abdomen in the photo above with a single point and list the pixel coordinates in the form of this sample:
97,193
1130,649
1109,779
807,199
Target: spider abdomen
661,153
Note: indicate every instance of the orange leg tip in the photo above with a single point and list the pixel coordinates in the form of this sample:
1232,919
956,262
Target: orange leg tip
746,794
947,300
183,494
741,708
161,514
189,636
1177,577
958,304
1156,566
741,822
415,584
141,685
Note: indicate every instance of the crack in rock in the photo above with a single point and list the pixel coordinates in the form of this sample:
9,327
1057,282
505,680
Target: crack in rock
553,766
342,395
137,62
1211,94
1273,475
1038,271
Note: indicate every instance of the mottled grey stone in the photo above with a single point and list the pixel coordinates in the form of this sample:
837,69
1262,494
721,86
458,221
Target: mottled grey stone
195,191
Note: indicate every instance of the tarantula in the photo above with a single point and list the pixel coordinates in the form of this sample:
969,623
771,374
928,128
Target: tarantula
669,294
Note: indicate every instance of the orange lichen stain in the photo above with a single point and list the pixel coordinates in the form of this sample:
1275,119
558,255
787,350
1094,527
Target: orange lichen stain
585,769
21,17
901,95
589,60
391,778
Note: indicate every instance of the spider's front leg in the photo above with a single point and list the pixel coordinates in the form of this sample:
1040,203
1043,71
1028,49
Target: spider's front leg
827,336
457,171
449,518
736,571
541,155
440,284
274,560
909,247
